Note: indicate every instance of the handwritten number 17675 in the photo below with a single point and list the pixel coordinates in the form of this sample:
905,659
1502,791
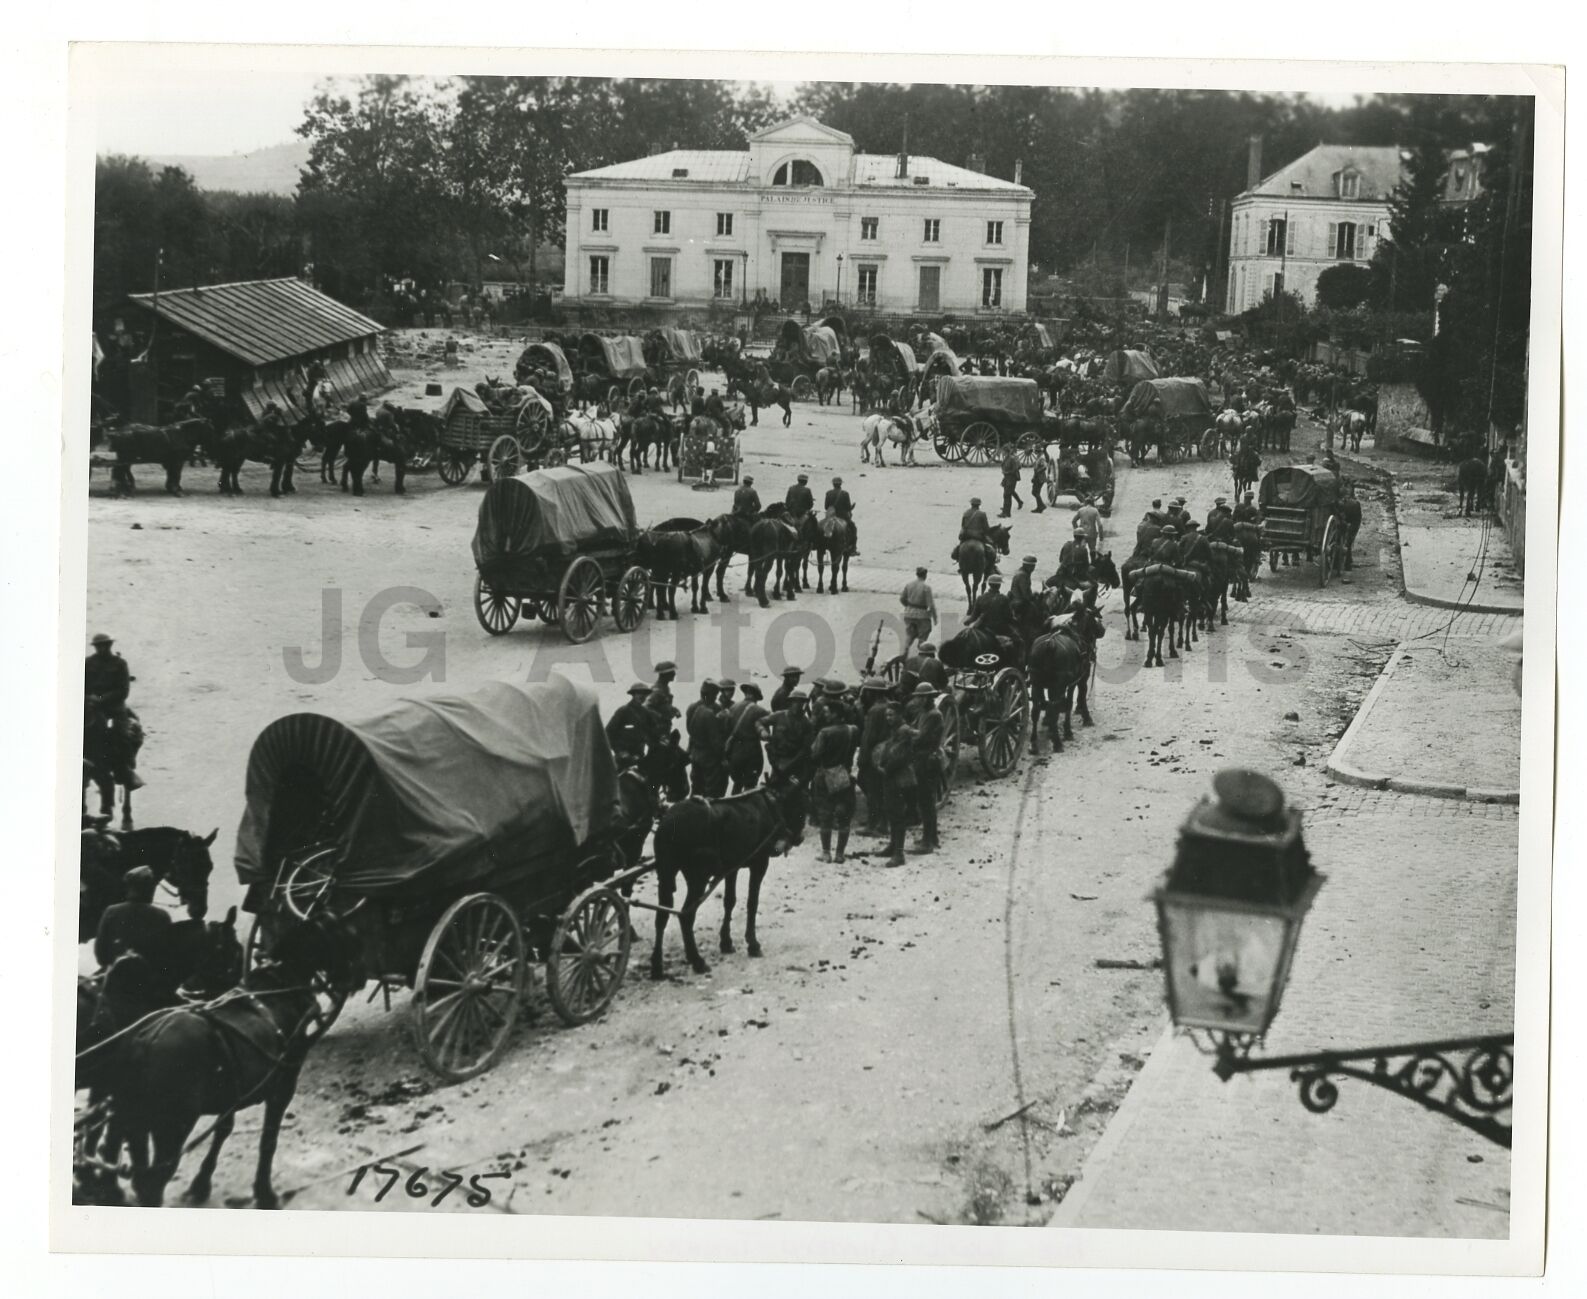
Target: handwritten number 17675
417,1188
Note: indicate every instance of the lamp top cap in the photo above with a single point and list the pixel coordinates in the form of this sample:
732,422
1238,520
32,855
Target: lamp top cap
1248,794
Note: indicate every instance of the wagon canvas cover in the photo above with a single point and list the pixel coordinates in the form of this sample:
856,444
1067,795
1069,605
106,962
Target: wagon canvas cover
535,523
889,354
552,355
680,344
1169,398
1125,366
624,357
1003,400
1300,486
821,344
447,793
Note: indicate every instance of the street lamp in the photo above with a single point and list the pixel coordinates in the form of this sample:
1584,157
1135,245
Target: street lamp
1229,915
840,279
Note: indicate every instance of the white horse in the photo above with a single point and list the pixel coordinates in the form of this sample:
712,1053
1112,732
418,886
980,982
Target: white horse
878,430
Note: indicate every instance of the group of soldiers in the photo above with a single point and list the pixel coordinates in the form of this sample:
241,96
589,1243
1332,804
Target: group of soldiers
839,741
1169,534
799,501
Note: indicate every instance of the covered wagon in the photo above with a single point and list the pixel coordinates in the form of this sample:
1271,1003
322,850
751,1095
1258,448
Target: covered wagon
1170,414
978,419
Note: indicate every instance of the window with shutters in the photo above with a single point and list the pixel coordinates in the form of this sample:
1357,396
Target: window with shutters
599,268
933,230
598,219
724,225
661,277
722,278
868,226
662,224
1276,229
1342,240
866,294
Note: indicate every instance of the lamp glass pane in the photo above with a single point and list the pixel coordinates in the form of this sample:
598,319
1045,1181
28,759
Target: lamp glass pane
1225,967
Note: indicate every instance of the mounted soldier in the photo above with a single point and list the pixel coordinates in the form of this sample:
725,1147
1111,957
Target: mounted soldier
800,500
746,500
842,504
973,526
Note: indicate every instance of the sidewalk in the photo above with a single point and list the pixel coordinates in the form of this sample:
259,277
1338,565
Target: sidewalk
1447,559
1443,720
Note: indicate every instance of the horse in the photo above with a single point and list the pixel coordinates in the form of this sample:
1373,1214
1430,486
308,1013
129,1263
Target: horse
1354,427
170,447
177,857
877,430
1347,509
830,537
1471,478
1059,665
770,394
1228,427
707,840
369,444
1246,466
1161,600
773,540
829,384
680,549
188,959
226,1055
268,442
977,559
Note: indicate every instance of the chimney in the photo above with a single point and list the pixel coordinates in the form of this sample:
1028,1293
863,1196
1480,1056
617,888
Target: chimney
903,153
1019,171
975,162
1253,163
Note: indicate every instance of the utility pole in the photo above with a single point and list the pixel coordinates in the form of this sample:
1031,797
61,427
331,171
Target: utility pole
154,359
1162,291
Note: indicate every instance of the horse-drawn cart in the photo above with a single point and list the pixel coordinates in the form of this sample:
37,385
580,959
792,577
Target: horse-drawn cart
978,420
991,702
1301,518
1171,414
450,842
558,545
801,353
504,436
894,363
616,365
674,359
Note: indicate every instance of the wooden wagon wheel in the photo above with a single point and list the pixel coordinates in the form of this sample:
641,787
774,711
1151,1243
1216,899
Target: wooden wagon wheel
1168,452
946,445
309,886
893,670
469,984
455,466
1330,554
948,706
803,387
614,394
588,955
628,600
496,610
504,456
534,423
1208,447
981,443
692,380
580,598
1003,717
636,388
1030,449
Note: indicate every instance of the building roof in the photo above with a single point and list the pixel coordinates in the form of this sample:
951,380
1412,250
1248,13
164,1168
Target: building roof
803,119
1312,174
259,321
723,167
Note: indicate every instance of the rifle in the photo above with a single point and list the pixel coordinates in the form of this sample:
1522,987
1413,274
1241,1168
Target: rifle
876,644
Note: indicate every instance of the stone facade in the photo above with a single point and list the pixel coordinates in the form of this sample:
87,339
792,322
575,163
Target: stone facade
798,217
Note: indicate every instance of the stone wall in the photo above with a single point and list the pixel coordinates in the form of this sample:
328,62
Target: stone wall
1402,414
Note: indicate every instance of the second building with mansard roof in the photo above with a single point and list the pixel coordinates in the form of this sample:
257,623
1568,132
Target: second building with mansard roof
798,217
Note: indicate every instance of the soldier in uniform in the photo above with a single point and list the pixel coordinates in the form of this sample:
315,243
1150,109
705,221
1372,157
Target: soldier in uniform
832,788
896,757
973,526
800,500
931,669
1010,485
660,701
746,500
790,683
725,687
1246,511
1148,530
714,409
134,925
1038,484
1165,550
631,728
707,742
840,503
878,724
1178,515
993,613
107,681
788,735
1021,599
656,402
744,758
920,610
1074,561
1220,510
928,727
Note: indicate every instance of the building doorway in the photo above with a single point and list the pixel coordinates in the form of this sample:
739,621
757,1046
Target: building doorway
930,288
795,280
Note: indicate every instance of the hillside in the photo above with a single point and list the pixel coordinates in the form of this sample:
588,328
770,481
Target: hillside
270,170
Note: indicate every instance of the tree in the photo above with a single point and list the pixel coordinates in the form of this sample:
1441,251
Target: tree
1345,286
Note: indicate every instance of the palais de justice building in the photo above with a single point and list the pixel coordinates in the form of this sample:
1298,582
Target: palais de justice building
693,226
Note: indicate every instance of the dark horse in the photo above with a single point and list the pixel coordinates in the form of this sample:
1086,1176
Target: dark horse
708,840
1059,664
179,858
224,1056
775,540
977,559
269,442
683,550
830,538
110,750
190,959
170,447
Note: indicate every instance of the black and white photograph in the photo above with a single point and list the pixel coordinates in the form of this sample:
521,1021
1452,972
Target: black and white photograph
719,643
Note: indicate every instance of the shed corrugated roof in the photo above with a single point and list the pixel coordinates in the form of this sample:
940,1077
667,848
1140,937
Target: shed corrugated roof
1312,174
259,321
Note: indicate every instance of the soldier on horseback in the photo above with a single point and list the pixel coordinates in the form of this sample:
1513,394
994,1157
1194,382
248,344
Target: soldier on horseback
974,526
842,504
746,500
111,733
800,500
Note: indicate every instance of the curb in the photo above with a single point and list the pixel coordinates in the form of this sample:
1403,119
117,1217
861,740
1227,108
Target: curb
1420,597
1346,773
1095,1166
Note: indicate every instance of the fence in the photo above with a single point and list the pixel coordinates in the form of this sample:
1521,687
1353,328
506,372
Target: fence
1512,513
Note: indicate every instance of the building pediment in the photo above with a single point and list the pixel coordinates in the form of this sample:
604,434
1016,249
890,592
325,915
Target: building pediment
801,130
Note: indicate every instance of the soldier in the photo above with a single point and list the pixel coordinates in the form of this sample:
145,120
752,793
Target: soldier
1246,511
724,699
992,611
631,728
358,411
707,742
928,727
744,758
656,402
715,409
1088,519
1038,484
1010,485
832,787
877,724
107,681
660,701
1165,550
896,760
973,526
1074,561
1220,510
1148,530
788,735
1177,514
1021,599
134,925
784,692
800,500
920,610
931,669
840,503
746,500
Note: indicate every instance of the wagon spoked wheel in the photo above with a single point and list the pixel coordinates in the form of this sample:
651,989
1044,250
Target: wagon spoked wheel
636,387
948,706
802,387
946,446
454,468
469,984
504,456
628,601
534,422
692,379
1004,715
579,599
981,443
614,394
1329,556
1208,447
588,955
309,888
893,670
496,610
1030,449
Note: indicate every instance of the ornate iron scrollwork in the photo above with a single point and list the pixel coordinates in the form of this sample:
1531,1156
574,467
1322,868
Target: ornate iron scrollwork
1470,1080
